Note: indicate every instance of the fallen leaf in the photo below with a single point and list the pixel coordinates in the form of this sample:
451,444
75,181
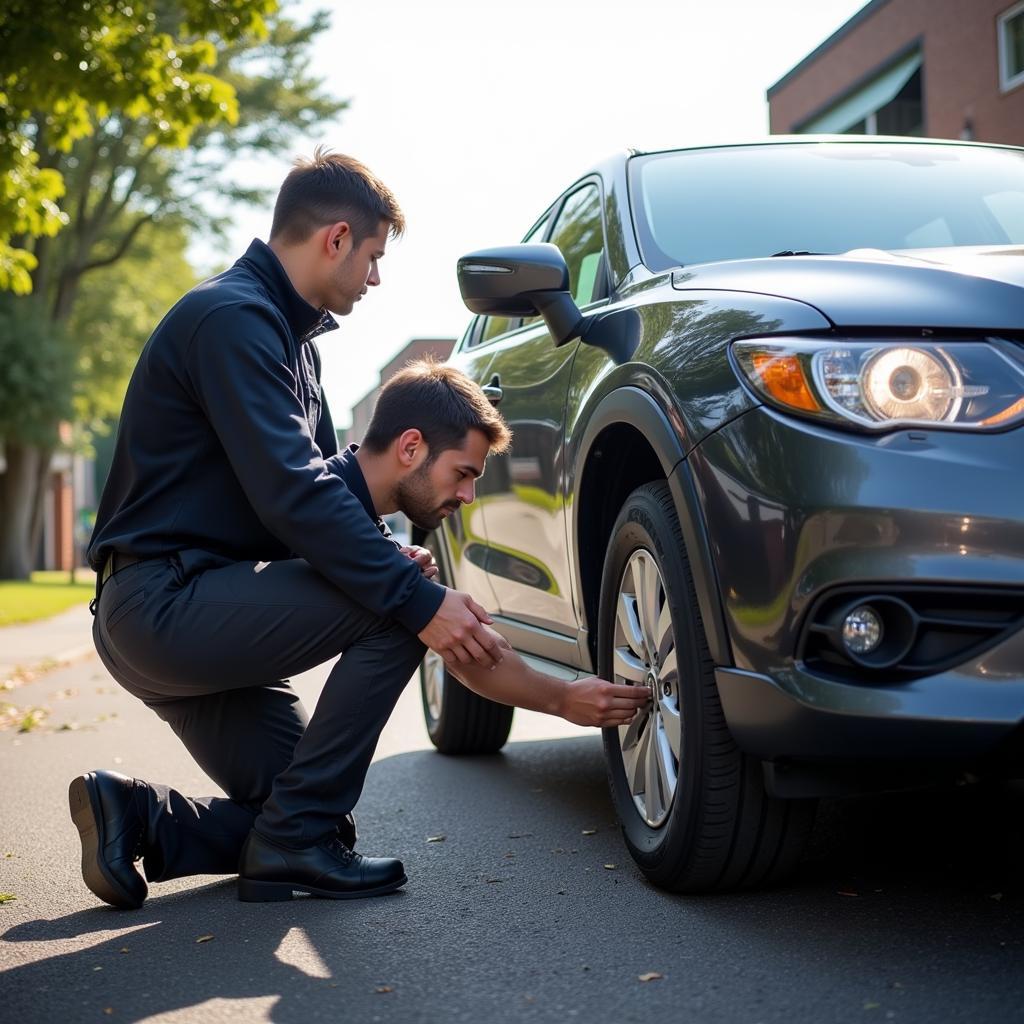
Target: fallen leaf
6,897
381,989
108,1010
649,976
843,892
589,832
436,839
610,867
205,938
124,949
872,1006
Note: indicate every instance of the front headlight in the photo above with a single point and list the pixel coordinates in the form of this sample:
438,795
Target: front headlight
881,385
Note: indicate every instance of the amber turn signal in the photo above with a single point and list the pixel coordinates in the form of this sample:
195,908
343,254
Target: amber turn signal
783,378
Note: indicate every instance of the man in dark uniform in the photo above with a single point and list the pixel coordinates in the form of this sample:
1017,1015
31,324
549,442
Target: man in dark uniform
236,546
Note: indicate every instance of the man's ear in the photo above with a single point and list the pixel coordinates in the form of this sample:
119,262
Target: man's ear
338,239
410,448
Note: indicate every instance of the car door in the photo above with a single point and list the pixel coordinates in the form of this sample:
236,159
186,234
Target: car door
523,496
465,536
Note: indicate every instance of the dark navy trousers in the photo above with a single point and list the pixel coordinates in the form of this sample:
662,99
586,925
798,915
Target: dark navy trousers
210,645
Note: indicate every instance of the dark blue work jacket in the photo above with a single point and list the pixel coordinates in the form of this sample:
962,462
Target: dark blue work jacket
226,450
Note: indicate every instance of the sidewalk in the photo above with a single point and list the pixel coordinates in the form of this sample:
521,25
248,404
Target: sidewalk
63,638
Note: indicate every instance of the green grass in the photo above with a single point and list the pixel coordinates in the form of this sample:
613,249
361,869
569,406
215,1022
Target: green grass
46,594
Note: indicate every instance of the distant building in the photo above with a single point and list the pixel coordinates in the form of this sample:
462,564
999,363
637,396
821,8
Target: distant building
68,500
951,69
440,348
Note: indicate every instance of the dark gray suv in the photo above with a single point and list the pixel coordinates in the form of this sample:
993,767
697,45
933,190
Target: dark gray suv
768,463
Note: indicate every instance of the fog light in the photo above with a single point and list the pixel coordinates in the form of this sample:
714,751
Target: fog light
862,630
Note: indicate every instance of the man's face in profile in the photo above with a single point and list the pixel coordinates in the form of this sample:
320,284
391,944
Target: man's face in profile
439,486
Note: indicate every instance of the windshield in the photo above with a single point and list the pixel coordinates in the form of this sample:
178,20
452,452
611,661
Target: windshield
823,197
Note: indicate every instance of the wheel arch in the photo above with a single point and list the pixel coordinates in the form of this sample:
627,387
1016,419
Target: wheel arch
629,441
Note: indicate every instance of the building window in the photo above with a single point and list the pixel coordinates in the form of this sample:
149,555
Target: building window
1011,47
889,104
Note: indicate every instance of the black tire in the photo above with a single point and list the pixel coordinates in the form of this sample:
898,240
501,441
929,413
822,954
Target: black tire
718,830
459,721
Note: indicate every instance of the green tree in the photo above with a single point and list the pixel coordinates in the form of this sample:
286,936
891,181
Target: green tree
135,168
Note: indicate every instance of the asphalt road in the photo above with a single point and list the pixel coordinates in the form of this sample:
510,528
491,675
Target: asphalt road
907,909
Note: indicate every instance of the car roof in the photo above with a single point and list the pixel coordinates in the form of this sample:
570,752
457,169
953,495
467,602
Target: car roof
851,140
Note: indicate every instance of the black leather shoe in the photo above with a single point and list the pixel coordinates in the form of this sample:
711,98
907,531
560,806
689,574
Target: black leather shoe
112,833
267,871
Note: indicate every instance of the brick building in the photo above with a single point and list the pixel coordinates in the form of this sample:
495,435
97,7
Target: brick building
949,69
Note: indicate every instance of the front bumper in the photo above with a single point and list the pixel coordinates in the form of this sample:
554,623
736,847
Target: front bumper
965,713
794,510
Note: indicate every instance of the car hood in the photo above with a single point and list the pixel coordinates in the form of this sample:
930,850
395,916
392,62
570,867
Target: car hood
966,287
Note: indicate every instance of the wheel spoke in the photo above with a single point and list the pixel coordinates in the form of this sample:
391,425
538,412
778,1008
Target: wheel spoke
629,625
648,598
673,727
664,630
669,671
627,665
667,771
653,796
636,766
629,735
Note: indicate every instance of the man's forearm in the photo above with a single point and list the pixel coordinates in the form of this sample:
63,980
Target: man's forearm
513,682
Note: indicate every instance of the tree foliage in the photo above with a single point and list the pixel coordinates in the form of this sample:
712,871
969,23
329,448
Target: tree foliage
70,63
120,124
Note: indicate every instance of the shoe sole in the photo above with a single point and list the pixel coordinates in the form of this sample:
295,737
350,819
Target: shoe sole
251,891
86,813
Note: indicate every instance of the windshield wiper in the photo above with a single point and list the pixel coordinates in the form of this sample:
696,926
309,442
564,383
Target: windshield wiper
797,252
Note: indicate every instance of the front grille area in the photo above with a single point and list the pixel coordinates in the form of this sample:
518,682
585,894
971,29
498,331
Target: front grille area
938,627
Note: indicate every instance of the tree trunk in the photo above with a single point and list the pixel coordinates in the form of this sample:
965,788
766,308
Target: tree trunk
21,497
42,481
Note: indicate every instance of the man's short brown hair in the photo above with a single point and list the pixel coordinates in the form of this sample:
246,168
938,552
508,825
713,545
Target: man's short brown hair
439,401
332,187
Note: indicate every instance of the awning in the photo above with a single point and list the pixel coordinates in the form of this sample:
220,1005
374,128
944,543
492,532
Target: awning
866,100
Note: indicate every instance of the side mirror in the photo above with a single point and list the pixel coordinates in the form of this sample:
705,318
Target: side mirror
521,280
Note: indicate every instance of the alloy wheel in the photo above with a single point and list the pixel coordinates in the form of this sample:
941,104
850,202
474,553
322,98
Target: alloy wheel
644,654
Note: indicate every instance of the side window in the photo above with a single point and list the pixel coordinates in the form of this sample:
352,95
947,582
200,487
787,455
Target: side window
578,234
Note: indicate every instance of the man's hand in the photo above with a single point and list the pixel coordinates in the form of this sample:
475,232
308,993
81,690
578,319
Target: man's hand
458,632
423,558
592,701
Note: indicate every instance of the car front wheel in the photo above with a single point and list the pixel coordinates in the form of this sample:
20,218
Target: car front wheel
693,808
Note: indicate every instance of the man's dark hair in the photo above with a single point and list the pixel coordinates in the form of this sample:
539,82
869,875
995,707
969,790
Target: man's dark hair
442,403
329,188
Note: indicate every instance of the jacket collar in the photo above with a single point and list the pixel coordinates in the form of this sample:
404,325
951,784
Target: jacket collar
305,321
353,476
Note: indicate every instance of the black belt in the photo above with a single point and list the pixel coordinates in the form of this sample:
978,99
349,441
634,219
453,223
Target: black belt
115,563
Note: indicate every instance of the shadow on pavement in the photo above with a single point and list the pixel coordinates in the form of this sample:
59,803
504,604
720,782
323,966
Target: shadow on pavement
907,906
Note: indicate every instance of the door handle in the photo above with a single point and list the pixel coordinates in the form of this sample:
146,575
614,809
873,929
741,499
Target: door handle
493,392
